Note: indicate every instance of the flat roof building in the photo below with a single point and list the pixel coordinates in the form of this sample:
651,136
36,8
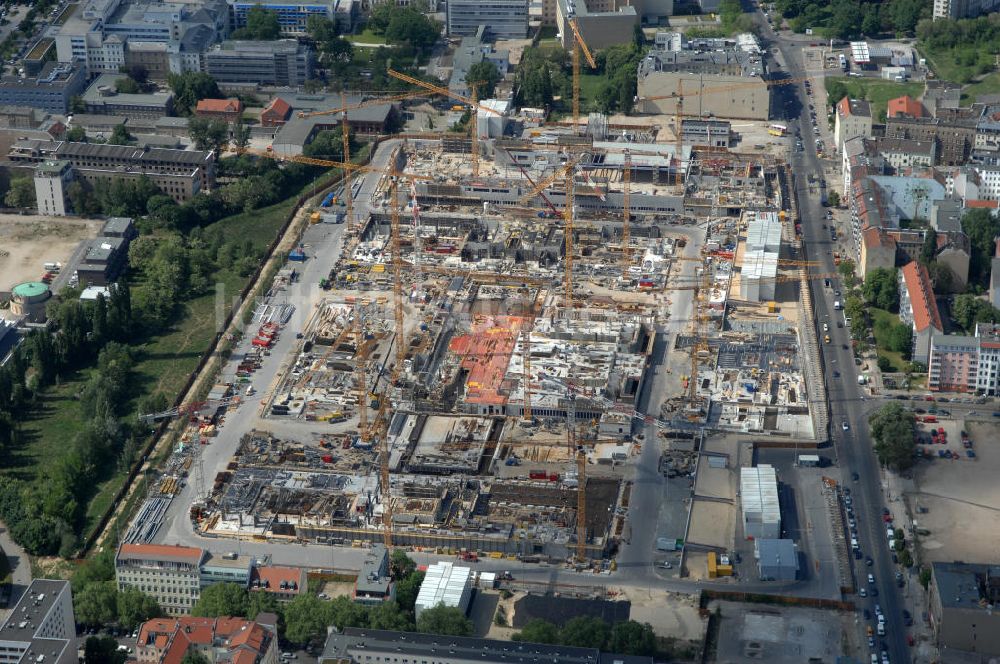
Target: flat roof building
374,584
759,497
777,559
41,627
962,612
51,90
447,584
713,133
101,98
169,574
285,62
504,19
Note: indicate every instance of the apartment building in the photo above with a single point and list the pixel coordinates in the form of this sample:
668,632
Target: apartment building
954,133
901,153
282,583
918,308
905,105
50,91
169,574
853,118
292,17
504,19
285,62
231,640
52,179
41,627
955,9
953,364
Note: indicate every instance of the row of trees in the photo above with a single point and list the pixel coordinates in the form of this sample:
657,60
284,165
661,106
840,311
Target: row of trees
410,25
629,638
970,44
845,19
892,430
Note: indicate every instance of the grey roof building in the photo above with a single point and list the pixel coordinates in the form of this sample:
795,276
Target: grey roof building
374,585
284,62
371,645
504,19
777,559
472,51
51,90
101,98
963,600
42,627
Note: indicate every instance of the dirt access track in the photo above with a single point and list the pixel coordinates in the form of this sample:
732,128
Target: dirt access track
27,242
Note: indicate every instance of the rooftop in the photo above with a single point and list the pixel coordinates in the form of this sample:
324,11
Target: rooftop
444,583
30,289
967,586
102,90
905,105
219,106
855,107
276,579
918,285
31,610
163,552
777,553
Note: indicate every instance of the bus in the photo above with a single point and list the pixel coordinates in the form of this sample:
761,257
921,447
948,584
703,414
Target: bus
777,130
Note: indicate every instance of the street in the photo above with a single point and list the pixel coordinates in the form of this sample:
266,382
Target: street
853,446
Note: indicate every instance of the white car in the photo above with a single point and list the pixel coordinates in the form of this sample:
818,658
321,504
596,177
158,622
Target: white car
845,426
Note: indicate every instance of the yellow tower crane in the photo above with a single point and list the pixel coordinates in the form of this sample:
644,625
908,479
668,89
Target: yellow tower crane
578,45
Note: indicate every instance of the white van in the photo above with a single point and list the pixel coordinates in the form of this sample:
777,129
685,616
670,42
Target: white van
881,629
854,543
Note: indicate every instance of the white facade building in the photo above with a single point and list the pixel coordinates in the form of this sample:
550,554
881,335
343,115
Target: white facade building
52,178
759,496
445,584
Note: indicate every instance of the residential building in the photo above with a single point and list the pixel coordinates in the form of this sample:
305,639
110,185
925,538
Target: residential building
954,133
988,370
471,51
905,105
169,574
963,597
853,118
759,498
602,23
230,640
918,308
939,95
718,77
953,246
445,584
955,9
878,250
292,17
900,153
227,568
777,559
953,363
374,584
711,133
101,98
285,62
504,19
230,110
282,583
52,179
364,646
50,91
275,113
178,173
41,627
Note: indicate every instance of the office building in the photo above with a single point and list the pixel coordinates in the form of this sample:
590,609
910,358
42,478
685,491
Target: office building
52,179
169,574
602,23
759,497
963,597
374,584
227,568
284,62
722,78
365,646
41,627
956,9
221,640
504,19
50,91
101,98
918,308
853,118
445,584
777,559
711,133
292,17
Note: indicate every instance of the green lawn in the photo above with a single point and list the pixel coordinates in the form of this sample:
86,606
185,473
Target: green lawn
898,363
366,36
876,91
987,86
590,86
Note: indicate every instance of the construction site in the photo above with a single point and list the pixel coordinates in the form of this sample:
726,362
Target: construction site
473,372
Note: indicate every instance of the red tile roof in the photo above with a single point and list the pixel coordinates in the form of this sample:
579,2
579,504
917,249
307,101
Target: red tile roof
271,578
873,237
219,106
233,639
918,285
981,204
905,105
155,551
279,107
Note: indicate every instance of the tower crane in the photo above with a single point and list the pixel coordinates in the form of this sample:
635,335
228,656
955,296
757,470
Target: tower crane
578,45
626,182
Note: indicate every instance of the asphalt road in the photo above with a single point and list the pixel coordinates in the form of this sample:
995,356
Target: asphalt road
854,446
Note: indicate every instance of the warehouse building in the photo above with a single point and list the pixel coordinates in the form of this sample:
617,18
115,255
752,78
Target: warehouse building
759,495
445,584
718,78
41,627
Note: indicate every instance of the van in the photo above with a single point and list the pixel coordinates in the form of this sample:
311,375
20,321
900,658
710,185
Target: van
854,543
836,305
881,629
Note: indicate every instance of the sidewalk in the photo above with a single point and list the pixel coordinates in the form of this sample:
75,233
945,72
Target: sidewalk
20,569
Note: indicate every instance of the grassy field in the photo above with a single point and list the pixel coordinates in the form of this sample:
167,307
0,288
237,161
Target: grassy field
876,91
898,363
366,36
590,86
989,85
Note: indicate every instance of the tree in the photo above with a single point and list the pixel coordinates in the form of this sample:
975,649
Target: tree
192,656
407,589
967,310
929,248
982,228
120,136
241,135
389,615
21,193
190,88
487,75
538,631
77,105
632,638
401,565
208,133
585,632
942,277
884,363
847,272
881,288
262,24
306,618
925,577
76,135
900,339
136,607
906,558
96,604
892,430
127,86
102,650
445,620
833,199
222,599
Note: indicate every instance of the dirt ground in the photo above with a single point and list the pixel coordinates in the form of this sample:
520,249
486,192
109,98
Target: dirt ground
336,589
28,242
670,614
962,498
